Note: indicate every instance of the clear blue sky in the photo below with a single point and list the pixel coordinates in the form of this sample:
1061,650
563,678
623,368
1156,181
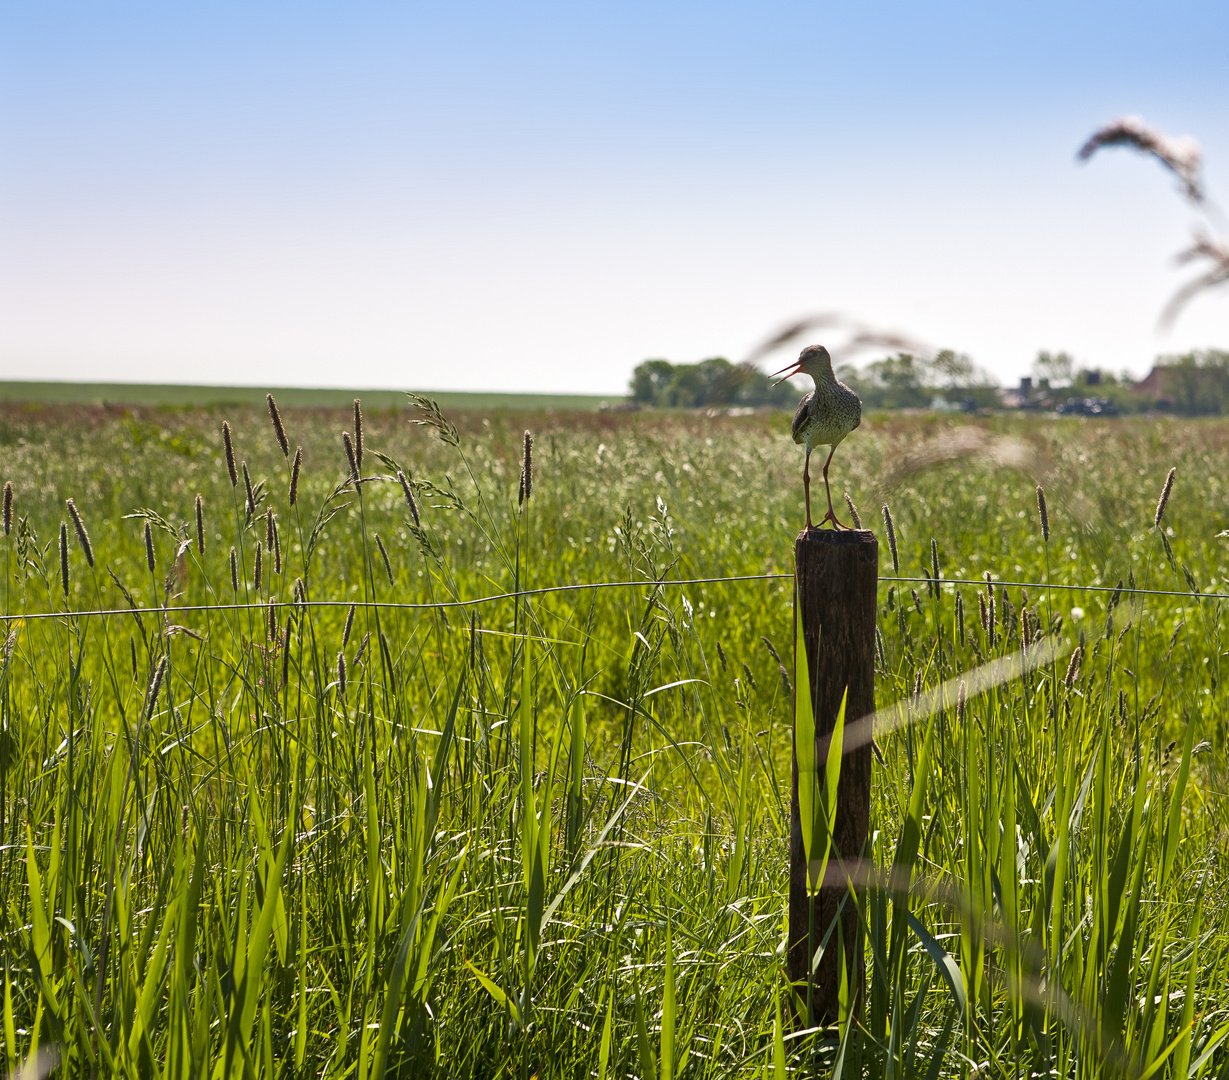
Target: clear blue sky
539,196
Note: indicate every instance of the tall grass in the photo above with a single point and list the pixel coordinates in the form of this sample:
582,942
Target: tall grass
549,836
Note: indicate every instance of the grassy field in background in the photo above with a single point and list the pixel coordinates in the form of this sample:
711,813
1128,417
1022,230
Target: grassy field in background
177,396
245,836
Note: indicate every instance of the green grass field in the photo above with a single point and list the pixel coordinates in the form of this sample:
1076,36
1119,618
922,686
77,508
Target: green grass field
241,835
172,396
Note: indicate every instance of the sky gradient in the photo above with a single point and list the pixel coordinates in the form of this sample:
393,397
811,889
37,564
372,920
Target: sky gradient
537,197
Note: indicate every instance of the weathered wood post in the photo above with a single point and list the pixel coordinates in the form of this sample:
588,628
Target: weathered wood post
837,575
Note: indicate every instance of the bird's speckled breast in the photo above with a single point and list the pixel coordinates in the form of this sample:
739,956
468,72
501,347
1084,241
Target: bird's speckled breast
827,414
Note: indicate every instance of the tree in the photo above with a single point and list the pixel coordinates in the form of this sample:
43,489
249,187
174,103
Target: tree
1055,368
712,382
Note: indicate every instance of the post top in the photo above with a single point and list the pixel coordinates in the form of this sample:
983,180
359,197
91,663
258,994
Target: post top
815,535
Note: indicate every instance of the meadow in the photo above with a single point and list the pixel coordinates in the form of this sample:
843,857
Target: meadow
301,805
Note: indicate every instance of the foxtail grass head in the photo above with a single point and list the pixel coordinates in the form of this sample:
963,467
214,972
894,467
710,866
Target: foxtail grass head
258,566
64,557
150,561
229,448
853,511
526,470
1044,513
295,469
890,529
408,490
249,494
278,429
358,434
348,444
83,538
234,571
200,525
1163,501
1073,667
388,568
345,634
8,507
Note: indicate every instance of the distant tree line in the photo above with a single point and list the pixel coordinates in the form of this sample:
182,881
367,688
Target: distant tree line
709,383
896,382
1193,384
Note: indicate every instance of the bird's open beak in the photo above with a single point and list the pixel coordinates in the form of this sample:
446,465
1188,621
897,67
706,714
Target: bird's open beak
786,373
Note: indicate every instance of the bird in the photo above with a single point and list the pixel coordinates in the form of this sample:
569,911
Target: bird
823,418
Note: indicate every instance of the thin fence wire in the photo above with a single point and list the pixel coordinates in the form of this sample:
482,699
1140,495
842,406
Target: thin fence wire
436,605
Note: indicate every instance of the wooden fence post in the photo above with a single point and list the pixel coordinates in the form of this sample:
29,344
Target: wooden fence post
837,575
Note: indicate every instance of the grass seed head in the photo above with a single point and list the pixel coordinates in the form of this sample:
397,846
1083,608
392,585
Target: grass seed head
1163,501
962,694
890,529
721,656
772,649
200,525
934,564
83,538
358,434
234,570
384,555
269,529
258,566
249,494
748,676
155,687
8,507
985,615
917,601
362,648
1169,551
345,634
132,646
960,616
1044,513
228,446
349,447
295,469
277,549
853,511
278,429
1181,154
149,548
64,556
526,470
409,498
1073,668
341,674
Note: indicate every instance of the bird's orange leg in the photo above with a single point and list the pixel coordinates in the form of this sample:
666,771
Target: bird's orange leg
831,514
806,484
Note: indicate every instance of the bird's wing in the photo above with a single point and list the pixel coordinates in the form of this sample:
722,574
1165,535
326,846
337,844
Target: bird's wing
800,417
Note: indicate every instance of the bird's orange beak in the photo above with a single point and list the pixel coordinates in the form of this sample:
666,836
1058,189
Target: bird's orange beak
787,372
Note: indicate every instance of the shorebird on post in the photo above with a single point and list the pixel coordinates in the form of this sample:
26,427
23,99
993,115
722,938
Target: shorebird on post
824,417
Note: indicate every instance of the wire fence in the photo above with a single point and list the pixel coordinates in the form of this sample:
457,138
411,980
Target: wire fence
436,605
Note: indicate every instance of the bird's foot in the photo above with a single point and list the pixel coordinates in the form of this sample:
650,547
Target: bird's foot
837,524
